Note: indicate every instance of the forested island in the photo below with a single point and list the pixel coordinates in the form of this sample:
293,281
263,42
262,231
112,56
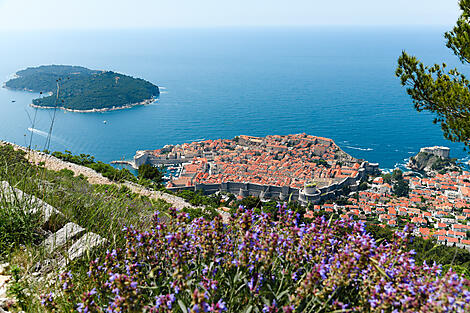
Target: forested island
83,90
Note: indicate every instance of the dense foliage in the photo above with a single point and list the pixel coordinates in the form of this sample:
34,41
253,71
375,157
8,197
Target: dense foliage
322,162
257,264
199,199
60,70
44,78
17,226
147,171
104,90
216,200
104,169
400,186
446,93
83,89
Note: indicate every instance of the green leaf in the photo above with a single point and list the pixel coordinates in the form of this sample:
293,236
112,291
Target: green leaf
182,306
282,294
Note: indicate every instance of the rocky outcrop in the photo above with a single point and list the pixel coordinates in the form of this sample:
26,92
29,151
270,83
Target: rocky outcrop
431,163
82,246
62,236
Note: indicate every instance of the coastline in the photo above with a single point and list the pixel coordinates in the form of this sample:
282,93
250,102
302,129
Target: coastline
129,163
114,108
4,85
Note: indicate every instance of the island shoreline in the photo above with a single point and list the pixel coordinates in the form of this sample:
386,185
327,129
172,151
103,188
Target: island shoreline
128,106
137,91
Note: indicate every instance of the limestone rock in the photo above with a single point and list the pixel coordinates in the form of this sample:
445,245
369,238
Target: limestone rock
34,204
3,289
10,194
60,238
3,268
83,245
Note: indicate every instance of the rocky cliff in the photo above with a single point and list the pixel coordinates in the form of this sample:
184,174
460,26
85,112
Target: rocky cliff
431,164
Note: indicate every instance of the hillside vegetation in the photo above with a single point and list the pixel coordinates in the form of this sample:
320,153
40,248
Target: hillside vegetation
102,209
44,78
159,259
255,263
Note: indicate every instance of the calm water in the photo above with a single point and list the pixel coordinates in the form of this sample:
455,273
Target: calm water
337,83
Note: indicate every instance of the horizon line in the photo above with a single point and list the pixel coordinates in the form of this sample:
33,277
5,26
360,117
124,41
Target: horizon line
222,27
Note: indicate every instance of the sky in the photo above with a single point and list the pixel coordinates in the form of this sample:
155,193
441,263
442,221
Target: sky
130,14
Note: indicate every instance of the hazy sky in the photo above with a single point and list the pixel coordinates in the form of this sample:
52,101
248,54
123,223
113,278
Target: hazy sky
86,14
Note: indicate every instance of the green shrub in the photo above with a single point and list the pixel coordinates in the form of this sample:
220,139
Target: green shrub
104,169
17,227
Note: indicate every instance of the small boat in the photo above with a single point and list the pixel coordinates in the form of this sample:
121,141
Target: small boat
13,100
105,122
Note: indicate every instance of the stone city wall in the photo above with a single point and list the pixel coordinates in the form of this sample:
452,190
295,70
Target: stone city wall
282,193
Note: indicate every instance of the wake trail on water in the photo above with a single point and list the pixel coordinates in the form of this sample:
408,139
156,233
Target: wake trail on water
357,148
197,140
37,131
45,135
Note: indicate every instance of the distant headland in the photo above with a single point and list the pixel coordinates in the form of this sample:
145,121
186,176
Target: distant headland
82,89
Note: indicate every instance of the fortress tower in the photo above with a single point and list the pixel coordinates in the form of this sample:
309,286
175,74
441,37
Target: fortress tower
440,151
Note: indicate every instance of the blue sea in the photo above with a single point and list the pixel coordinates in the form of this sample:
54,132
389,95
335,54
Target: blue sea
219,83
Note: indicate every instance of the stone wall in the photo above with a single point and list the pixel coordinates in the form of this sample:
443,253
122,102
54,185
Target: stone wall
282,193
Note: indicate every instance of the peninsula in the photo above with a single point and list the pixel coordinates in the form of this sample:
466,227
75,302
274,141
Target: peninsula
82,89
300,166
